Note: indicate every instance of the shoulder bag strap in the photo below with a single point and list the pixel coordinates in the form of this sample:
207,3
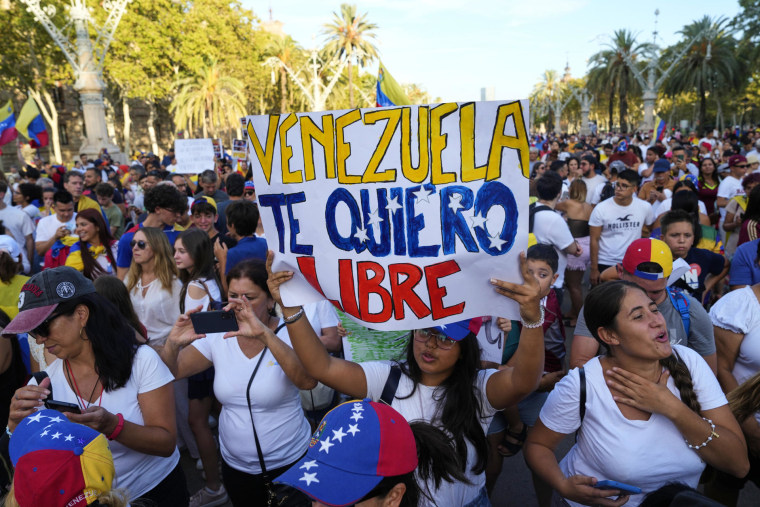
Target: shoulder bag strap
391,385
582,375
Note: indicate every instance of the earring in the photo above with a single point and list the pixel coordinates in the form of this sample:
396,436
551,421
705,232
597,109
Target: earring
81,333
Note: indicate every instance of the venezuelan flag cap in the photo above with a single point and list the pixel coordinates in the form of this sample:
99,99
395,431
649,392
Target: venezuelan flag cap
59,463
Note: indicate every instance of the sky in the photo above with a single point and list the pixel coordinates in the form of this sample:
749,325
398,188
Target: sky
453,48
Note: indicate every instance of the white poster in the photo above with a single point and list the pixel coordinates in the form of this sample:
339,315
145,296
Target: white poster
399,216
193,155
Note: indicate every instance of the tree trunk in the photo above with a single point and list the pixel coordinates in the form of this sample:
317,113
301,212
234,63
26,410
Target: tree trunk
152,126
50,113
350,83
283,91
611,108
624,103
702,106
127,126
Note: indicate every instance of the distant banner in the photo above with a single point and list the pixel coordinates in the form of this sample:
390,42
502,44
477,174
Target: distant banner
399,216
193,155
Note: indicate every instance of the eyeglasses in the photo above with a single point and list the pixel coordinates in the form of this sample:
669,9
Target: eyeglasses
623,186
442,341
43,330
139,244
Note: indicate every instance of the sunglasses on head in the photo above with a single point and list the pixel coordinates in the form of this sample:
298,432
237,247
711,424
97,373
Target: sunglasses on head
139,244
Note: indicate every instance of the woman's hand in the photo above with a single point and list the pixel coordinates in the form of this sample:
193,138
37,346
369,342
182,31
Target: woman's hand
274,280
26,400
183,333
249,325
96,418
640,393
580,488
220,251
527,294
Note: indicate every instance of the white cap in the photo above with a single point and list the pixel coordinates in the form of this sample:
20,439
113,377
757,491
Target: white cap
9,245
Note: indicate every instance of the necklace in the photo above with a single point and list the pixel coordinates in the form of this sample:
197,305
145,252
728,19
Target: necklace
141,285
81,401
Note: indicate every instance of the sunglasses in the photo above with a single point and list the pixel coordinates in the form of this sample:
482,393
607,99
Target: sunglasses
250,192
442,341
742,166
139,244
43,330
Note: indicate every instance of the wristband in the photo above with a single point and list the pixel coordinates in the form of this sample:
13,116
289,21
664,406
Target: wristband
8,432
294,317
117,430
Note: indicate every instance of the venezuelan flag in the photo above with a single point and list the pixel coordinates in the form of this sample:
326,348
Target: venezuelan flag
660,128
31,125
8,130
389,93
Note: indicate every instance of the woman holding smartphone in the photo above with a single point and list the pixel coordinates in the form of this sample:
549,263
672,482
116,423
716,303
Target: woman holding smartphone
651,414
95,252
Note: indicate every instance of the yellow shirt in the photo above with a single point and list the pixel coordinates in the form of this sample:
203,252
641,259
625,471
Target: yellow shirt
9,294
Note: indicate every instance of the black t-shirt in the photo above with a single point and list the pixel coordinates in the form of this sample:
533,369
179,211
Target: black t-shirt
703,262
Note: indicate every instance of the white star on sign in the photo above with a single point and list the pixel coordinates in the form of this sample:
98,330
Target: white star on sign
309,464
35,418
393,205
356,416
338,435
422,195
309,478
44,433
353,429
55,419
69,438
361,235
478,221
325,445
455,202
374,217
496,242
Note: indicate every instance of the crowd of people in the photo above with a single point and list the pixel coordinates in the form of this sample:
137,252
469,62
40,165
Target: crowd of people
103,266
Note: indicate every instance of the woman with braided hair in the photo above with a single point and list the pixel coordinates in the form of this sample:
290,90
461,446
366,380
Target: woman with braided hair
653,412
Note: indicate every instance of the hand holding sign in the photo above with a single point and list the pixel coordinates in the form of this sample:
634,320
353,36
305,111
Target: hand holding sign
527,294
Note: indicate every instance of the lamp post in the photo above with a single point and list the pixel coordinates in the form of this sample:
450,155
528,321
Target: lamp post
86,59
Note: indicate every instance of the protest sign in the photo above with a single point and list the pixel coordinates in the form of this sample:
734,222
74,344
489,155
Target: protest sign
399,216
218,148
193,155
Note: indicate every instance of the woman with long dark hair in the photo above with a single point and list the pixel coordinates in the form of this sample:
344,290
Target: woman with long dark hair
29,198
647,413
439,380
114,290
121,388
95,252
707,187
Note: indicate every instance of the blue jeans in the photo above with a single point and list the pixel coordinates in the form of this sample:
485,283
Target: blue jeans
480,501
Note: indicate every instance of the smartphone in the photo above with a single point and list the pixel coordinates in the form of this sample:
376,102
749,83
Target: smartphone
62,406
625,488
659,189
217,321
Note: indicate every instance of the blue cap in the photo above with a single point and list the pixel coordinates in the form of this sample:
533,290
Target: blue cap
458,331
661,166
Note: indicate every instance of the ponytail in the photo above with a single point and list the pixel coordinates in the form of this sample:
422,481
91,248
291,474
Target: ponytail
682,378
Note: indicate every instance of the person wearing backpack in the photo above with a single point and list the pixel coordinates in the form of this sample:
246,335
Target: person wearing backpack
648,263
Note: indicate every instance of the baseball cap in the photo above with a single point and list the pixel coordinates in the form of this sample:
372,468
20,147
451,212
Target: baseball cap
736,159
249,185
59,463
458,331
356,445
648,250
661,166
752,159
9,245
203,199
42,293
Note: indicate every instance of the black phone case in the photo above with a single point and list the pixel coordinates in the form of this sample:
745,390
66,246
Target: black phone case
62,406
214,322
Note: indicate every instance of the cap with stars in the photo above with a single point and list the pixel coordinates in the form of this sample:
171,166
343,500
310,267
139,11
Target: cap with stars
460,330
59,463
356,445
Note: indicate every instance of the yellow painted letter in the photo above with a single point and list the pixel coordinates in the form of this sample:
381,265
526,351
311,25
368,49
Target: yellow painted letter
286,152
415,174
265,155
467,139
344,148
392,116
325,137
438,142
500,140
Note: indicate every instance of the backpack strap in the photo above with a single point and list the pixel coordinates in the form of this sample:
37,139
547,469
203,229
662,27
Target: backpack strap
391,385
532,210
582,375
681,303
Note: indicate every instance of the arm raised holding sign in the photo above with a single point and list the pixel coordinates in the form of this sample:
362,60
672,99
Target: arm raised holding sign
445,358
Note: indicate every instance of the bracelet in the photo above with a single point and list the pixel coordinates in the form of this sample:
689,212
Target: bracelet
117,430
8,432
709,437
294,317
533,325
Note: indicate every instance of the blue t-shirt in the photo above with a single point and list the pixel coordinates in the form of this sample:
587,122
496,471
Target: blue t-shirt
703,262
249,247
124,252
744,268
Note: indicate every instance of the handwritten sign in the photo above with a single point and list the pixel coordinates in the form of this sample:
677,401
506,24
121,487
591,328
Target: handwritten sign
399,216
193,155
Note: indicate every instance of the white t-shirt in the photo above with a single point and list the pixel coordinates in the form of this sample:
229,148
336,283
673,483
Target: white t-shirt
550,228
591,184
421,406
281,426
321,315
621,225
213,289
19,225
47,226
643,167
157,310
31,210
666,204
739,312
647,454
136,472
730,187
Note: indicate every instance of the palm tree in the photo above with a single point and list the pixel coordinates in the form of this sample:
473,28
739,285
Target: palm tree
545,92
350,36
711,63
609,65
285,49
210,99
